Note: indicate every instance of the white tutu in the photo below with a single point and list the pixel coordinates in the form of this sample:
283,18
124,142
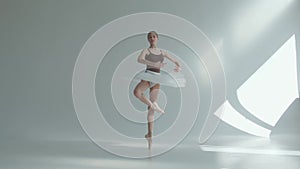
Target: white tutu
175,79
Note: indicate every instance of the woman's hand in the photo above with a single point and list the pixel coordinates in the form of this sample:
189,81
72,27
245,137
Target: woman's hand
177,69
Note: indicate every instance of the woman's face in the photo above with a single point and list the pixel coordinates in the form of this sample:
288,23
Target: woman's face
152,38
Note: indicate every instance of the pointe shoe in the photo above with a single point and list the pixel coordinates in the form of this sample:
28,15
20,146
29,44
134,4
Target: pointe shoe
156,108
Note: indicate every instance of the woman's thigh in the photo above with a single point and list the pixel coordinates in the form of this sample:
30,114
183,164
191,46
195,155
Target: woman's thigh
142,86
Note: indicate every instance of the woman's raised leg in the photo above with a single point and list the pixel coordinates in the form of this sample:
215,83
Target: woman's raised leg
140,90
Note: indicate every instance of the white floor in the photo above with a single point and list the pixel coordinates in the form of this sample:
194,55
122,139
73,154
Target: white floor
227,149
84,154
81,154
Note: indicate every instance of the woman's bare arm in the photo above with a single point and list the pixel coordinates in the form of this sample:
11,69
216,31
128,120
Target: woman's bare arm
168,56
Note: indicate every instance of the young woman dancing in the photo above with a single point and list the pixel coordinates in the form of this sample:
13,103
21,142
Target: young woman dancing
152,57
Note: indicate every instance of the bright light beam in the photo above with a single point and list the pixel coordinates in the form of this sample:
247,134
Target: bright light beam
273,87
241,150
250,22
232,117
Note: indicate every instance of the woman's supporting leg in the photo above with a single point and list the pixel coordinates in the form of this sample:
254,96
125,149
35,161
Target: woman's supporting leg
154,91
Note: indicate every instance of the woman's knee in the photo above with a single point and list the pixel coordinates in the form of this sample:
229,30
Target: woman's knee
137,93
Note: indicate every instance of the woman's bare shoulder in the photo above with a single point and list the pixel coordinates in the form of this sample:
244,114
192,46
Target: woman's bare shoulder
145,51
164,52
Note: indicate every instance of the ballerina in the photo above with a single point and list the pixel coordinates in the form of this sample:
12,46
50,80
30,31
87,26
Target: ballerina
153,57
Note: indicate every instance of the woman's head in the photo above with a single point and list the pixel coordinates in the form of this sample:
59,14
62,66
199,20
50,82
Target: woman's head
152,37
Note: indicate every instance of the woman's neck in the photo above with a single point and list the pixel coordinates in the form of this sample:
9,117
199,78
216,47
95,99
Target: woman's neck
153,46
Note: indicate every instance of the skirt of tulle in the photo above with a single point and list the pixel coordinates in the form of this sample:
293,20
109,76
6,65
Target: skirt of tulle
163,78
